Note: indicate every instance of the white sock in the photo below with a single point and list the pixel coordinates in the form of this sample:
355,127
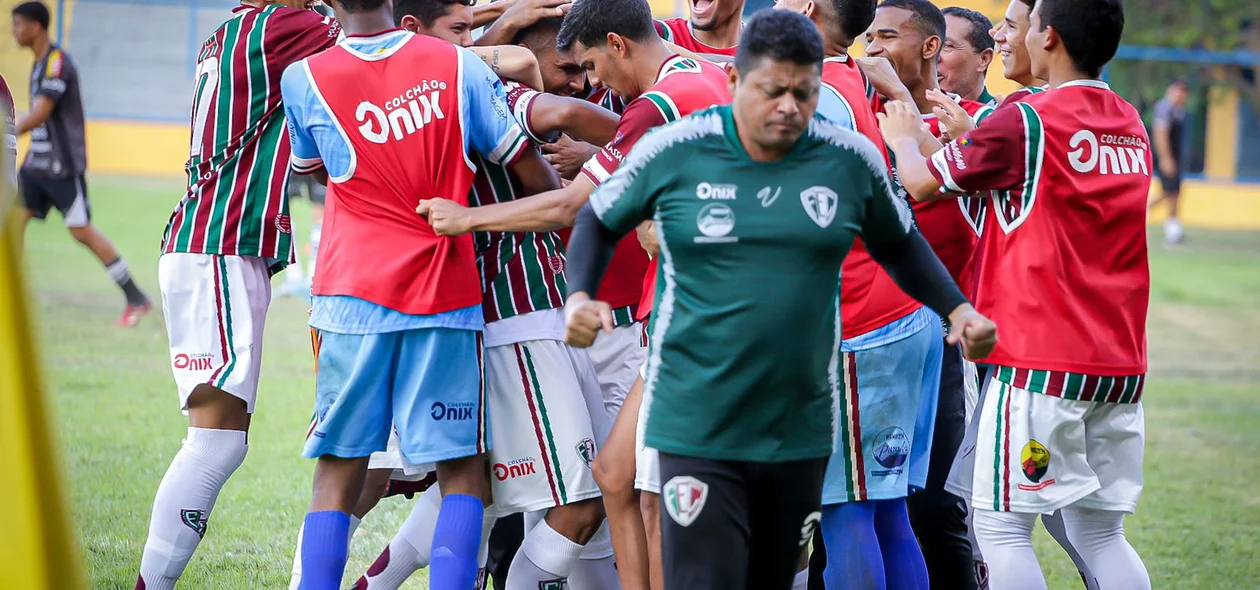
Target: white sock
409,550
295,575
1054,525
1006,541
545,556
1099,536
184,501
801,581
1173,232
597,569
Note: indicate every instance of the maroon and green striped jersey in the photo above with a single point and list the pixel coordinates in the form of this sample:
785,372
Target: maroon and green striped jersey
235,202
521,272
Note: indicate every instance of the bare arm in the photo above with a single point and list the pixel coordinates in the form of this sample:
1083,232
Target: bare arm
513,62
544,212
579,119
488,13
535,174
41,109
1163,142
519,16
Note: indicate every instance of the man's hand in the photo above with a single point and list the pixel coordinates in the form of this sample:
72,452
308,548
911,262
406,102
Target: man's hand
567,155
977,333
884,78
955,122
447,217
584,318
900,121
647,238
522,14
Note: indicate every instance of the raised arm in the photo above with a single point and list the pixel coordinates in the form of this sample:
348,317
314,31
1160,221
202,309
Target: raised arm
577,118
513,62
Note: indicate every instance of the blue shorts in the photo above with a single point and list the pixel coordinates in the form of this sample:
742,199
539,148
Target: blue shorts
888,391
428,384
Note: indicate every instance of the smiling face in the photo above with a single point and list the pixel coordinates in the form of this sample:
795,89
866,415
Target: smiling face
561,72
894,37
709,14
1010,36
962,65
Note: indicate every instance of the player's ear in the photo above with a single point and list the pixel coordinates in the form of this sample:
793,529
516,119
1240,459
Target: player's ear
732,79
986,59
410,23
617,44
1052,40
810,9
931,47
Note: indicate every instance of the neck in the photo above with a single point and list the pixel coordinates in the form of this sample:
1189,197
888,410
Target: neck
366,23
1064,71
41,45
756,151
1028,80
722,36
835,48
972,92
927,81
651,56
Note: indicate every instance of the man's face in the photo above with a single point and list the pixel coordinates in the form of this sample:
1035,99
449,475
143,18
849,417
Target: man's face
776,100
1035,43
454,27
608,65
25,31
1178,94
1010,38
893,36
709,14
561,73
961,63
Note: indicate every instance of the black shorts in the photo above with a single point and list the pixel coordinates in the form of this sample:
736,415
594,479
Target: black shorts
1171,184
304,185
41,192
732,525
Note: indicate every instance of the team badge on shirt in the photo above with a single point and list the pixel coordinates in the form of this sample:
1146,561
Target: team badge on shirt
820,204
684,498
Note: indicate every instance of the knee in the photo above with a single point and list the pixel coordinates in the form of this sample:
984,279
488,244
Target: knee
578,521
615,480
1003,528
82,234
1086,527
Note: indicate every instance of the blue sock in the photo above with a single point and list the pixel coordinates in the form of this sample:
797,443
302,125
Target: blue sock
903,559
456,537
325,541
853,557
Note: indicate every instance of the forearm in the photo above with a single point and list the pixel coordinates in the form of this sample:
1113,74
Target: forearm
928,144
484,15
590,249
1163,146
587,122
548,211
913,172
512,62
915,268
499,33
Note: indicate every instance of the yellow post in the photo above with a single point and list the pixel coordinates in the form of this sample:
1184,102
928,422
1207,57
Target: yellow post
1222,134
36,546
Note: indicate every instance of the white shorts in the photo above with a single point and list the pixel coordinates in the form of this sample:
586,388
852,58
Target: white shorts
647,461
1035,453
618,357
391,458
215,307
545,412
971,389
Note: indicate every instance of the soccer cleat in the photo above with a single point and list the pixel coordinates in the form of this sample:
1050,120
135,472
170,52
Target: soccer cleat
132,314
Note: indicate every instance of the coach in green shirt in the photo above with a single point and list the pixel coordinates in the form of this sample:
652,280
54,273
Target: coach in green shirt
755,205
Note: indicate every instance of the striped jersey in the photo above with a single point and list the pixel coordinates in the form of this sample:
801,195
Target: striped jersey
1017,96
1065,270
238,159
521,272
679,32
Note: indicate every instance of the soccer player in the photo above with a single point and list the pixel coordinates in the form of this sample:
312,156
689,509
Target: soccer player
1060,426
385,134
741,407
1170,132
53,173
226,237
713,28
966,55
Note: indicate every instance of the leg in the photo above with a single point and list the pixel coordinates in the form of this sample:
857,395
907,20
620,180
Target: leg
650,505
1055,526
614,471
1005,539
780,535
647,479
374,487
409,550
854,561
708,528
1108,555
552,549
326,530
903,561
71,197
801,581
505,542
817,562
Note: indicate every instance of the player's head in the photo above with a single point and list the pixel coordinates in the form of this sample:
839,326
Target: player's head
967,51
707,15
909,34
603,36
775,80
561,73
450,20
1009,36
840,21
1178,92
1085,33
30,21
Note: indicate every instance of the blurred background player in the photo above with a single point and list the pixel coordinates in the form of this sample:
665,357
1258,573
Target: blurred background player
53,173
423,302
1169,140
713,27
966,55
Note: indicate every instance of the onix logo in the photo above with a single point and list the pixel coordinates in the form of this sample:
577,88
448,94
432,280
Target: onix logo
461,411
193,362
514,469
1125,155
408,114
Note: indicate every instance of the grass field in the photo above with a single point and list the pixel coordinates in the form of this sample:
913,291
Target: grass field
117,416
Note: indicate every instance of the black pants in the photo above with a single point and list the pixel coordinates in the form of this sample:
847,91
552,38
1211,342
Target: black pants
731,525
938,517
505,540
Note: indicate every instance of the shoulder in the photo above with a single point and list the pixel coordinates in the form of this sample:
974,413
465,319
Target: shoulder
972,107
835,138
693,128
294,81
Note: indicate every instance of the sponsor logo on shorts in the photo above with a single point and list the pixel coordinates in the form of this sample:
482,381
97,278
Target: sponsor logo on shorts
316,421
1034,461
586,451
684,498
195,520
715,221
199,361
820,204
284,224
892,448
810,525
514,469
456,411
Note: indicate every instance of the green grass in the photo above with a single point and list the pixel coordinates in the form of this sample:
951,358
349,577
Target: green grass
118,422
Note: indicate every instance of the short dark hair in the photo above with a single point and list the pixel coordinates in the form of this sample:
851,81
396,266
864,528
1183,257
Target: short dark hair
427,11
353,6
1030,4
779,35
546,27
1090,30
978,37
853,16
33,11
927,17
590,21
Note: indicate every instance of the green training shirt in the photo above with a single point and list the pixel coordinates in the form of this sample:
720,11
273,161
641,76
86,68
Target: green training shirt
745,343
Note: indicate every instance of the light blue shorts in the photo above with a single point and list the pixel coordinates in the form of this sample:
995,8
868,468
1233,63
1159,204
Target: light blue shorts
887,391
428,383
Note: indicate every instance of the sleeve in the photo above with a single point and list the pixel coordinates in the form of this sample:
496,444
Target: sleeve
520,99
981,115
1163,113
640,117
663,31
312,33
834,108
489,128
888,217
625,198
58,72
991,157
295,92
